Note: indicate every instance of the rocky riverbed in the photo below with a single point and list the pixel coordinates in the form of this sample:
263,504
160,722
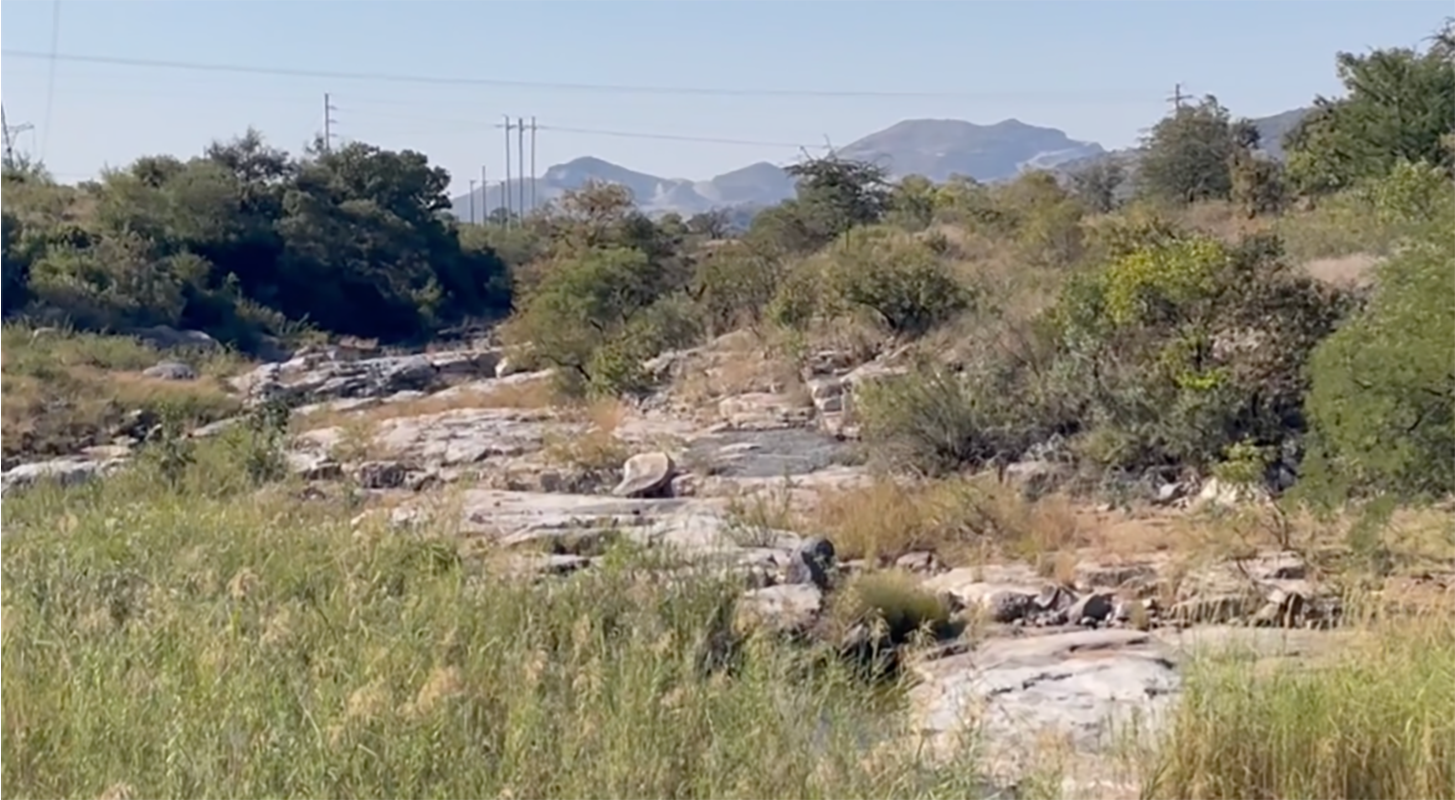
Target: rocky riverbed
460,442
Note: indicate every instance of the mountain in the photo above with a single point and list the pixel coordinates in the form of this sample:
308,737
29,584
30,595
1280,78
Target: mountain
939,148
935,148
1271,131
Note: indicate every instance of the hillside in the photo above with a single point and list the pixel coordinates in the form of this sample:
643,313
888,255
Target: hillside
930,147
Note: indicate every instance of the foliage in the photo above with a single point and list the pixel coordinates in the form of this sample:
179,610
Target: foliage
1097,184
898,281
1186,347
593,317
1188,155
1382,399
245,241
1398,107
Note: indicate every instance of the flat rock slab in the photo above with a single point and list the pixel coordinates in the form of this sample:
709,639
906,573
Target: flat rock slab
1083,688
1076,685
690,527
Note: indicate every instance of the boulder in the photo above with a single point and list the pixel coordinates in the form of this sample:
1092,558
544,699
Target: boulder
171,371
645,475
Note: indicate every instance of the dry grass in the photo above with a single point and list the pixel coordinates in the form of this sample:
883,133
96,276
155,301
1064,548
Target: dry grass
191,642
1354,269
65,391
598,449
1377,720
960,519
534,394
738,365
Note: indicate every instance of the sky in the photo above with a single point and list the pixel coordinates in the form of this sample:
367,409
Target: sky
592,74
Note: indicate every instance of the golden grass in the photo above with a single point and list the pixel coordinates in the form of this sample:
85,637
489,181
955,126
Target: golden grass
1375,720
195,642
960,519
535,394
64,391
598,449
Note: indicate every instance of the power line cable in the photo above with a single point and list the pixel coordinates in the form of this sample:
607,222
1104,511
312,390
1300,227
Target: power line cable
50,82
384,77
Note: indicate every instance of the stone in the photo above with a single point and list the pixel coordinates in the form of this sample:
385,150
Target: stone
812,562
164,337
645,475
790,608
1216,609
382,474
170,371
1092,609
64,471
917,562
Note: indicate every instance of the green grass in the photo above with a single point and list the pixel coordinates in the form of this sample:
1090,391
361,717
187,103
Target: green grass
66,390
1378,721
206,641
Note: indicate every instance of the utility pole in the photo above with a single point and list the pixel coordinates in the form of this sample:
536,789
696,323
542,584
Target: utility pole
328,123
520,150
10,137
505,187
472,201
484,197
1177,96
532,164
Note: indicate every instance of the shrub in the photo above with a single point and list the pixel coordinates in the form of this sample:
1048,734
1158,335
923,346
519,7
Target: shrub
1186,347
896,278
1382,398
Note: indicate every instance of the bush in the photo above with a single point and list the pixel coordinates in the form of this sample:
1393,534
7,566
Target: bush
934,421
1188,346
598,315
1382,399
896,279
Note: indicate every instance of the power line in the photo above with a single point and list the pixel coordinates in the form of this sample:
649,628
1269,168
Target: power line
384,77
50,81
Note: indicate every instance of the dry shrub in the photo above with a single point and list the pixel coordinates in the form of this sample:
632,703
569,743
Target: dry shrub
960,519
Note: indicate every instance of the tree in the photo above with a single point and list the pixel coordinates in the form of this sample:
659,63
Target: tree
1187,157
1096,184
1399,106
1382,397
246,240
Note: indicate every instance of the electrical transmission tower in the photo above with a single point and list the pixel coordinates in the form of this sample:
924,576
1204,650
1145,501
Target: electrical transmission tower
328,123
10,133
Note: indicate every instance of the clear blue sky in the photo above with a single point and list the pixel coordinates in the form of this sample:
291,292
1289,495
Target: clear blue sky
1101,71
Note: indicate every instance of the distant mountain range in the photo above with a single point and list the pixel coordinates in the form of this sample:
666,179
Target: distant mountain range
934,148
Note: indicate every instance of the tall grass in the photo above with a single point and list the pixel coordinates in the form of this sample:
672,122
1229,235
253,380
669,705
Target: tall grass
1378,721
197,642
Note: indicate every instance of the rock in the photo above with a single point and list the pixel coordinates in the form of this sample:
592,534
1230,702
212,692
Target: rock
171,371
1038,478
382,475
813,562
1079,684
313,466
164,337
1114,576
1169,493
791,608
917,562
64,471
645,475
1000,602
1092,609
1218,493
1216,609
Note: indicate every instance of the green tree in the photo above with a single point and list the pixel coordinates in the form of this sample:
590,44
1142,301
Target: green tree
1188,155
1097,183
1399,106
1382,398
